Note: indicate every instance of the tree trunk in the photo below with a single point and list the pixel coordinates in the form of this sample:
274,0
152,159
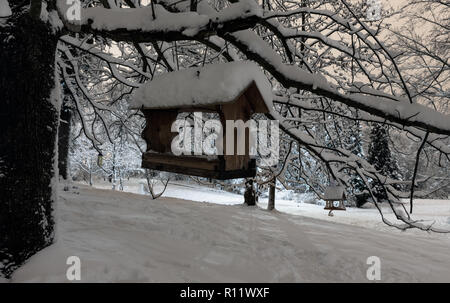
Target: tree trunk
90,175
271,203
29,124
249,194
63,141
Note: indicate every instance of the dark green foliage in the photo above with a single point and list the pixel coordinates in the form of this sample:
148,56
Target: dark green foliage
353,143
381,158
29,124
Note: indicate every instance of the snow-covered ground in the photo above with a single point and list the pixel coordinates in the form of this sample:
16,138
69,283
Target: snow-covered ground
127,237
286,202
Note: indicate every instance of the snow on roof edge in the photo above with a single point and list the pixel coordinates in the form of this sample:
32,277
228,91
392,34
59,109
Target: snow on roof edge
211,84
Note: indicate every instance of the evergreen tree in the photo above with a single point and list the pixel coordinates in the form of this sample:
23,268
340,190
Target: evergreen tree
381,158
352,142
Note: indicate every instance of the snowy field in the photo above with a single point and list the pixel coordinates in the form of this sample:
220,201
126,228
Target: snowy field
126,237
430,210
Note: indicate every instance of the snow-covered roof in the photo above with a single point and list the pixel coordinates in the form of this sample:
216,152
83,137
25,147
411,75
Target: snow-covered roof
211,84
5,10
334,193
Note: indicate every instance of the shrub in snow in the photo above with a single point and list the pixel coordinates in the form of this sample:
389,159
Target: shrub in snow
310,198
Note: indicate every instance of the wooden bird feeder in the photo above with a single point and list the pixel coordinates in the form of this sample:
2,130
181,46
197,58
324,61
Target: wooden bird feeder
334,194
235,91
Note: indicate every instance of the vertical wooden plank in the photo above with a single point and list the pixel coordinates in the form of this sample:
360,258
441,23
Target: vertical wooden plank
237,110
255,98
157,132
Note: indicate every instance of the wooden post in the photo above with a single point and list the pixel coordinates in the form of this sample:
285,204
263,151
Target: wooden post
271,203
249,195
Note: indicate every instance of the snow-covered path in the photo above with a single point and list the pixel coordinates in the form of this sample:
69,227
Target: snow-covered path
130,238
